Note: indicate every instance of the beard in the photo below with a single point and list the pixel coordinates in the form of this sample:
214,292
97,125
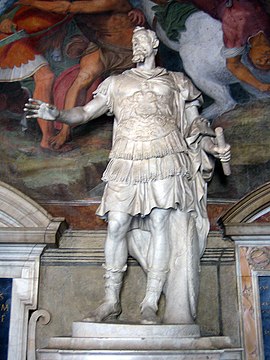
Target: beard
138,56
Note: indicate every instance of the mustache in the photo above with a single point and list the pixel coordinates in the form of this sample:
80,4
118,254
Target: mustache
138,57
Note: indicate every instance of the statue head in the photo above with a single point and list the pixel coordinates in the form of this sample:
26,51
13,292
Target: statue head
259,52
145,43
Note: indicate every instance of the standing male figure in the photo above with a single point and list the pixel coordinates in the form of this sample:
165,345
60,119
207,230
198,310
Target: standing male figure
155,177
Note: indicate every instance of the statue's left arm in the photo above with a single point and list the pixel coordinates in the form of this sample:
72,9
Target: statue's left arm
201,132
198,134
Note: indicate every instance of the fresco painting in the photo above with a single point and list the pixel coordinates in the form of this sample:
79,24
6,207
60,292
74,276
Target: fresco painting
236,33
59,52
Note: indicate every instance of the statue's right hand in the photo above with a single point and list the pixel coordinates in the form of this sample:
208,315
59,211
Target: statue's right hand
7,26
39,109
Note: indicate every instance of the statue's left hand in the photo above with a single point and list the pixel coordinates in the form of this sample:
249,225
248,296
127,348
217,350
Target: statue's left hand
223,153
39,109
220,152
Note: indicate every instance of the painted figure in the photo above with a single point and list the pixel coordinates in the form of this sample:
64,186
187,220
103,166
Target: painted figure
237,32
108,26
243,23
155,194
22,33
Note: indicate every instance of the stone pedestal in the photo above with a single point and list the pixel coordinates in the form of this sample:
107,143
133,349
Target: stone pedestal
132,341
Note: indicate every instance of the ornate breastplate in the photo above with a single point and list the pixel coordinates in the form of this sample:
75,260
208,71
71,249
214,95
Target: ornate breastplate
145,115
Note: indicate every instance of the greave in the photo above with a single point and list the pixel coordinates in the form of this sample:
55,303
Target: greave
113,283
149,305
110,307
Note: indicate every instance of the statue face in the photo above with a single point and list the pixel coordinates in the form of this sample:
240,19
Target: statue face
260,57
142,46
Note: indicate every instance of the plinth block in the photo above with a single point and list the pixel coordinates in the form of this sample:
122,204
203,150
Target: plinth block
118,330
138,342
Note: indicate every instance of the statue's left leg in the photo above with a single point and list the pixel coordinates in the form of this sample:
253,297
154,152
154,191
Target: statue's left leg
158,264
149,305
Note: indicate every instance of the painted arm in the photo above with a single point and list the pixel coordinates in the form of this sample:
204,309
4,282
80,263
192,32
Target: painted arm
60,7
243,74
7,26
75,116
83,7
137,17
99,6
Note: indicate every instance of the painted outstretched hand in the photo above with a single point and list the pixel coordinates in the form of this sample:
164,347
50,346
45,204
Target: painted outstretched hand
39,109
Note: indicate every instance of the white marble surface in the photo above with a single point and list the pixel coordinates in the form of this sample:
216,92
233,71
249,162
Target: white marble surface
118,330
141,355
128,342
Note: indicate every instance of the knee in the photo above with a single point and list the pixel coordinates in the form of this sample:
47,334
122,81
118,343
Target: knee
117,227
159,219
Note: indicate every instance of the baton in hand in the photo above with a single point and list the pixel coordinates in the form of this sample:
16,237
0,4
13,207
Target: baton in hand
222,144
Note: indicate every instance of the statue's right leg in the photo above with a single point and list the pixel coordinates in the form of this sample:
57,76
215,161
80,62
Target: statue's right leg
116,254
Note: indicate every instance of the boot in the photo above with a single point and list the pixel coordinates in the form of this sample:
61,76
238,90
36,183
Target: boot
111,307
149,305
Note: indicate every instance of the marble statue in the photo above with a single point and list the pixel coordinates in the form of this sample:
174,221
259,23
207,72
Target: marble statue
155,193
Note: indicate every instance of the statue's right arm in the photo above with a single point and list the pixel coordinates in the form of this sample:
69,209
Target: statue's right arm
75,116
83,114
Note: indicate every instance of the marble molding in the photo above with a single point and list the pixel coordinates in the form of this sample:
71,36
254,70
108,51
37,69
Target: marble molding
247,224
253,261
25,230
21,263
